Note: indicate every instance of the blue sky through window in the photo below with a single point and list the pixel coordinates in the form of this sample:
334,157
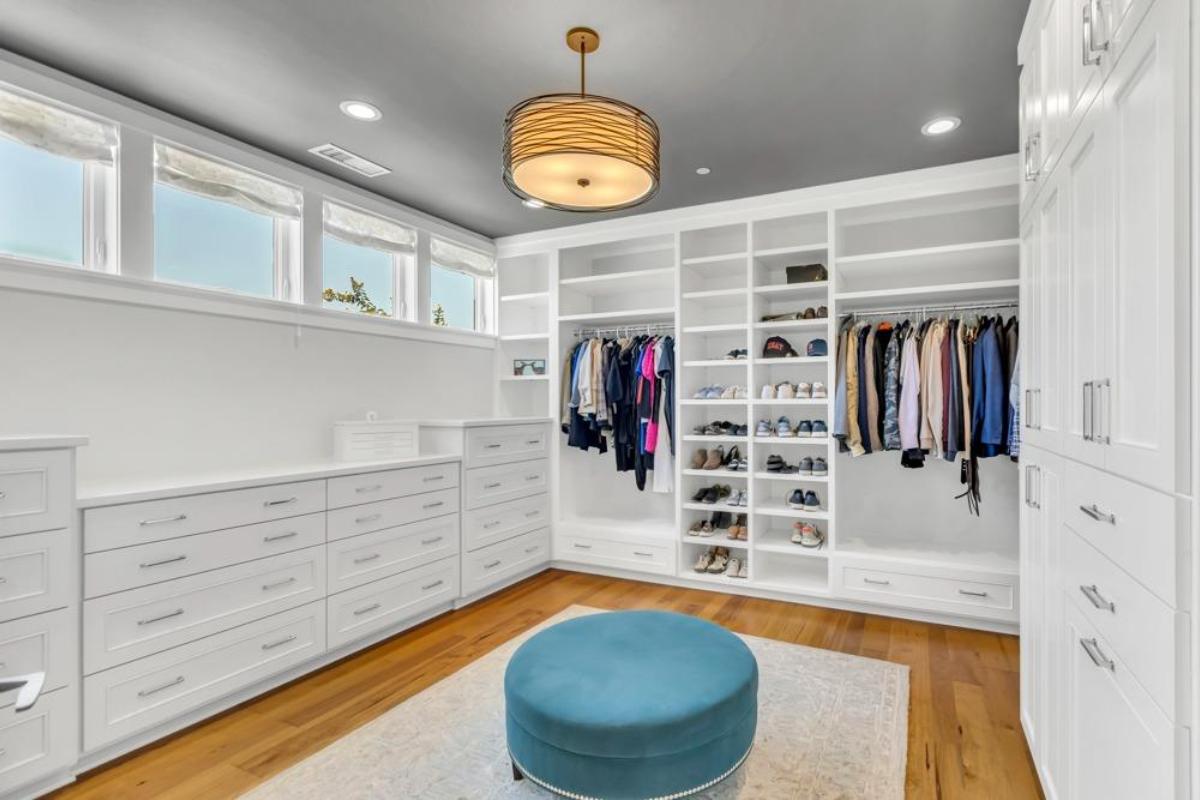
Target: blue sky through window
455,291
41,204
342,260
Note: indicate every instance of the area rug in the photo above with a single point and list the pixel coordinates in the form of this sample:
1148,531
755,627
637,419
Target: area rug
830,726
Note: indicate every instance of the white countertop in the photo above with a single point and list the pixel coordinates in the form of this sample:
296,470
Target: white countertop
136,491
481,422
10,443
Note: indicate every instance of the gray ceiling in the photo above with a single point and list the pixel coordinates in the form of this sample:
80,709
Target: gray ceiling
769,94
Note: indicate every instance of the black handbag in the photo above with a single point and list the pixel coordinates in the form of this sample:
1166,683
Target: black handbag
807,273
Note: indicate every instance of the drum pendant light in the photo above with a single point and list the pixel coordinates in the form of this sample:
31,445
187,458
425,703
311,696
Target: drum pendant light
580,152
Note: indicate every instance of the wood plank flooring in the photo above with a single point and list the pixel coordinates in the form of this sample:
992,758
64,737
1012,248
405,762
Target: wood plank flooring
964,737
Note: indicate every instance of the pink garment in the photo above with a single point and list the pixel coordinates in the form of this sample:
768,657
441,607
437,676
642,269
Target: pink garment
910,387
650,385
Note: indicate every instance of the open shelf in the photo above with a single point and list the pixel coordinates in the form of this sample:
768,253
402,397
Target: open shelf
901,554
794,360
716,473
793,477
777,257
697,438
783,290
716,259
792,324
718,506
977,292
524,337
812,441
631,315
523,378
718,362
725,327
527,298
780,541
780,510
796,401
696,401
621,282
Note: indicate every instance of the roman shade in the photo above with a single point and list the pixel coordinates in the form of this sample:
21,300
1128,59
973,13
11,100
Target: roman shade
368,230
208,177
454,256
52,128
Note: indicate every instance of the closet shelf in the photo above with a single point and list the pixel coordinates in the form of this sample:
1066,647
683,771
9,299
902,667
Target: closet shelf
721,506
779,362
630,315
814,441
527,298
522,378
788,256
992,257
739,327
970,292
793,477
927,556
695,437
711,259
716,473
639,280
773,541
694,401
792,324
716,297
796,401
523,337
780,510
718,362
794,289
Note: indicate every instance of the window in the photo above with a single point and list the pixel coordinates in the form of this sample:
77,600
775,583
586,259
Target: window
366,263
460,286
220,227
56,183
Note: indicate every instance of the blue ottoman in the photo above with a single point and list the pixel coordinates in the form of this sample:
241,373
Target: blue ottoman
630,705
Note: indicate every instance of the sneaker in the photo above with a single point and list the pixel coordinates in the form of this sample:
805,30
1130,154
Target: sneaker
743,498
715,457
818,389
732,460
796,499
695,529
710,495
736,568
819,431
784,427
785,391
706,529
742,573
763,428
723,490
809,313
698,497
700,394
743,529
806,466
741,393
817,348
768,392
804,429
698,458
775,463
806,534
703,562
820,467
732,355
742,430
714,430
822,312
811,501
804,390
729,393
714,393
720,559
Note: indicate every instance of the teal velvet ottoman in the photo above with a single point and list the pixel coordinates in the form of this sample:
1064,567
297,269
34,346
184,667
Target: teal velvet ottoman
630,705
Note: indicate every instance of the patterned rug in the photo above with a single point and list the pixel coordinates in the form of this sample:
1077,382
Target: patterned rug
830,726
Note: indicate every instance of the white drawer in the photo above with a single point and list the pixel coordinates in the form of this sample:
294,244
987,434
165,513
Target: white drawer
130,567
35,491
137,523
494,564
657,558
47,643
972,594
376,516
129,698
39,741
1134,526
362,559
1138,625
388,602
355,489
486,526
37,571
504,444
128,625
491,485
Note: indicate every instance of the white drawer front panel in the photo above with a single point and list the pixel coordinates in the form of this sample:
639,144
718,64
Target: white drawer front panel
506,443
1139,626
39,741
121,627
362,559
122,701
1132,525
622,555
491,485
491,565
357,489
36,573
388,602
376,516
491,524
991,596
130,567
35,491
46,643
138,523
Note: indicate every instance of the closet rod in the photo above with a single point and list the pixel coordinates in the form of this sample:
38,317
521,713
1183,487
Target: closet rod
625,330
877,312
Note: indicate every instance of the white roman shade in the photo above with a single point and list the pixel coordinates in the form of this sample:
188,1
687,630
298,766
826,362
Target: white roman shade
455,256
217,180
56,130
368,230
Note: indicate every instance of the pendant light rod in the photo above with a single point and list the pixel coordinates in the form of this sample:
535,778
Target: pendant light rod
583,41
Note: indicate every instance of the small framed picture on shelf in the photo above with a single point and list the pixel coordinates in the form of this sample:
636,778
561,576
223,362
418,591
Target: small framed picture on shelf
529,366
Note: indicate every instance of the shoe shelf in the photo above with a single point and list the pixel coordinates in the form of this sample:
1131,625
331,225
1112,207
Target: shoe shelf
794,477
793,360
716,473
709,577
522,378
812,441
725,327
780,541
792,324
721,506
780,510
716,258
721,439
718,362
696,401
781,290
795,401
786,256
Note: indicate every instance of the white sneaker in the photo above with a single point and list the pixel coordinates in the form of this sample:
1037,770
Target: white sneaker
704,561
785,391
730,393
804,390
768,392
818,389
741,393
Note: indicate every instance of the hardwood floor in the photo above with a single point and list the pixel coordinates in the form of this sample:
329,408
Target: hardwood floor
964,737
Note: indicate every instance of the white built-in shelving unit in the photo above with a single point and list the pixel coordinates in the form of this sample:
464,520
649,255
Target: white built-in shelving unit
711,275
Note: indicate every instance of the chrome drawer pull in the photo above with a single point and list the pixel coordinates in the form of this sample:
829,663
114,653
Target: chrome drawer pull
287,502
643,555
1092,593
492,564
176,613
434,540
494,445
438,504
364,489
172,560
492,524
366,610
492,485
1098,658
532,514
875,582
970,593
533,549
280,643
432,478
269,586
163,520
533,441
583,546
157,689
281,536
365,559
1097,514
433,585
533,477
368,518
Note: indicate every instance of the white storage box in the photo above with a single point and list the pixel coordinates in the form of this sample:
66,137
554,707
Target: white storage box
375,440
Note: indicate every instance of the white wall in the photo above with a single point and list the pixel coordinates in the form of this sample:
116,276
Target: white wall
165,393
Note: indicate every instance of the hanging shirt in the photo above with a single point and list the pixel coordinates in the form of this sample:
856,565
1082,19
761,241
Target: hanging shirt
891,393
910,404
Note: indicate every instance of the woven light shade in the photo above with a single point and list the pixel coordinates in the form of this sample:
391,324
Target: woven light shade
580,152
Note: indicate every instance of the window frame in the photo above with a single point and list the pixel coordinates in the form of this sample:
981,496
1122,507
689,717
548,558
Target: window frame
404,268
483,292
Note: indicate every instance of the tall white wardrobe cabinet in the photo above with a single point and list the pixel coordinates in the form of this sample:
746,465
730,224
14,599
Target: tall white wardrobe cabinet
1107,571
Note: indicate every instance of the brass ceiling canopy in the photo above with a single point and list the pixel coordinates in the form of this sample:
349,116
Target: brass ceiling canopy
580,152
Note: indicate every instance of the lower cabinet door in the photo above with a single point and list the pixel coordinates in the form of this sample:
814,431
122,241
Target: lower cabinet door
37,742
388,602
156,689
1122,746
371,556
496,563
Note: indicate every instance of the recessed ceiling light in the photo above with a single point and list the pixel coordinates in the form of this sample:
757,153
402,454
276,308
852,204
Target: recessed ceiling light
360,110
533,203
703,170
939,125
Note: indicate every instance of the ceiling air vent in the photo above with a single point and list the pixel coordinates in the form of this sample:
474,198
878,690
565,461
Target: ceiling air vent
343,157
